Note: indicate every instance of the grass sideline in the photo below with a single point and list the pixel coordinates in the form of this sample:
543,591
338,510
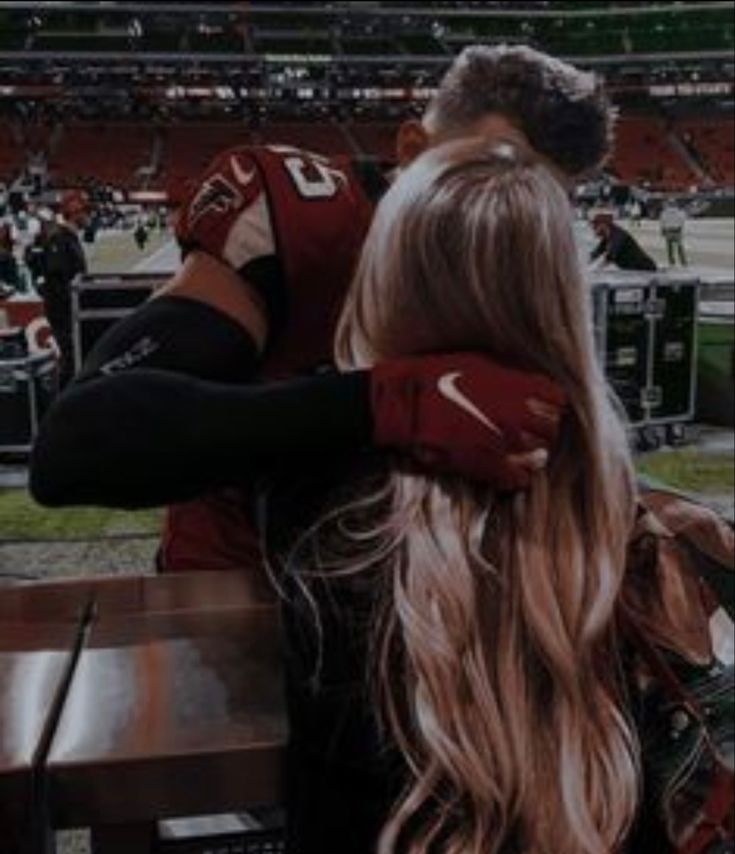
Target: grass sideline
116,251
691,471
22,519
683,469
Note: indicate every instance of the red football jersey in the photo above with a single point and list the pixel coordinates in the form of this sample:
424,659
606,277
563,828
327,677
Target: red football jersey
292,223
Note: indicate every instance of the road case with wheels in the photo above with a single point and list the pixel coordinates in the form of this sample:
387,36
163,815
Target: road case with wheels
716,374
646,333
27,387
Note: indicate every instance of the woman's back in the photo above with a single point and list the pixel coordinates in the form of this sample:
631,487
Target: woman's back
346,771
460,655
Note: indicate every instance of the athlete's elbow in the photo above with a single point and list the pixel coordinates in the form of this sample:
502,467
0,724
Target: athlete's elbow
45,490
45,487
49,481
59,462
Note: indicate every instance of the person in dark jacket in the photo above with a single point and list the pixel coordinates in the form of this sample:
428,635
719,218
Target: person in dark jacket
8,264
35,253
619,247
63,259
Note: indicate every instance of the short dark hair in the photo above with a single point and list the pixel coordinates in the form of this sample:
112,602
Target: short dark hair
564,112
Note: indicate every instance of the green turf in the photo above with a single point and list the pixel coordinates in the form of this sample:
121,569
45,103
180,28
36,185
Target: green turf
691,471
116,251
22,519
684,469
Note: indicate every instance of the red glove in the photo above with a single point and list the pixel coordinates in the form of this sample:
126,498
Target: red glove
466,415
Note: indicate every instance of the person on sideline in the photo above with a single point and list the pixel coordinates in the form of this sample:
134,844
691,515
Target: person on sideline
672,222
617,246
62,260
471,668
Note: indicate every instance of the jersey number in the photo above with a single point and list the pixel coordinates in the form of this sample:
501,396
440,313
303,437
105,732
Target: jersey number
314,180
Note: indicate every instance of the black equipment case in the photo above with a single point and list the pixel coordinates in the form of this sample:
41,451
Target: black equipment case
646,332
27,387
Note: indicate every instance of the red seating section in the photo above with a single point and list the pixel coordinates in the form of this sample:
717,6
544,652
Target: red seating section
714,141
36,135
187,149
644,154
112,153
12,155
320,137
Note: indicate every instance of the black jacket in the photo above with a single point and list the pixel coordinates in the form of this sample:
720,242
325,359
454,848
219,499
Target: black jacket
621,249
63,256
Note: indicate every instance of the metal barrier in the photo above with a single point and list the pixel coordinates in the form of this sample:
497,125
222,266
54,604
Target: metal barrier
99,301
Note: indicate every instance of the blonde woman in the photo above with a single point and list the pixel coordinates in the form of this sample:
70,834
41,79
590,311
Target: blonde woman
492,645
463,651
464,680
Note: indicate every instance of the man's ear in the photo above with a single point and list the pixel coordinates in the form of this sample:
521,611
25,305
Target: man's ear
412,140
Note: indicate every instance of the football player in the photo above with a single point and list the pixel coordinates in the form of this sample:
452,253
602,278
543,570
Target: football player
271,236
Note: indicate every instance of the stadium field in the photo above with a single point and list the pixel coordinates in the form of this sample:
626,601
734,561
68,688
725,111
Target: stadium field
710,244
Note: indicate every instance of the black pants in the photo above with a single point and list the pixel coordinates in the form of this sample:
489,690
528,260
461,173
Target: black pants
57,306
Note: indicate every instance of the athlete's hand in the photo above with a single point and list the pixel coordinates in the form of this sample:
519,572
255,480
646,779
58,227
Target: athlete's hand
464,414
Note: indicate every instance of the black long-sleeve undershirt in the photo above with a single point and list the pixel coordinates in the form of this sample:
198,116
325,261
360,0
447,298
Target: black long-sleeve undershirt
165,408
144,437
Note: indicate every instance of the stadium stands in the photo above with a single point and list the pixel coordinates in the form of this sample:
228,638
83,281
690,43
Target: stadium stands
713,144
111,153
186,149
12,154
135,154
644,155
335,78
321,137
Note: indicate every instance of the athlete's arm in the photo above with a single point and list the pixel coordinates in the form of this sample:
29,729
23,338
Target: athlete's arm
148,437
145,437
599,250
206,322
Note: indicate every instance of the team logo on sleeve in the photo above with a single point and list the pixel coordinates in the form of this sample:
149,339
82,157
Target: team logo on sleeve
217,194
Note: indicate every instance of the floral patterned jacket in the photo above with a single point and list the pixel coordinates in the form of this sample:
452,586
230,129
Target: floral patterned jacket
681,565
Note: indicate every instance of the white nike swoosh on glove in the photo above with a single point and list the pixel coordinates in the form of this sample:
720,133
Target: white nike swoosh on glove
448,388
243,177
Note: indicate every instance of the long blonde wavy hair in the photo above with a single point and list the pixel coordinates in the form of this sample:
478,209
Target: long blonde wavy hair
496,661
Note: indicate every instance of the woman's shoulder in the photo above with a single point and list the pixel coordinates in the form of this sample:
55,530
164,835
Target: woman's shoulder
680,582
677,605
